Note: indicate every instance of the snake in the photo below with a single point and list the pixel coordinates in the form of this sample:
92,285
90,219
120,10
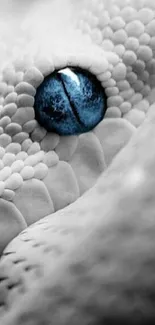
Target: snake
77,223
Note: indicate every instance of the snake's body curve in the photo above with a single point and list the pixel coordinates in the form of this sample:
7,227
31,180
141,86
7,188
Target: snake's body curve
86,252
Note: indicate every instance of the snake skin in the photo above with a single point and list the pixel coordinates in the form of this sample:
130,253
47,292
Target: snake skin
91,262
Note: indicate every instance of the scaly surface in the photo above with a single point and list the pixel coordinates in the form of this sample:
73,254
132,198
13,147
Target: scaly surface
93,261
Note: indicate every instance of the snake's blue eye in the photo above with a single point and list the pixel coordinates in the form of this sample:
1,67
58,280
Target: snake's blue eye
70,101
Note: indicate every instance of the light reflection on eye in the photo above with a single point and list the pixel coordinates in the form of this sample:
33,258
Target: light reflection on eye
70,101
71,74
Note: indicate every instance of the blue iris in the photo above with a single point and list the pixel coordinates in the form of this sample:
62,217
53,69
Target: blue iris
70,101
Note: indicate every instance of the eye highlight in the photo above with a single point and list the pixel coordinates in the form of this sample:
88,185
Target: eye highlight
70,101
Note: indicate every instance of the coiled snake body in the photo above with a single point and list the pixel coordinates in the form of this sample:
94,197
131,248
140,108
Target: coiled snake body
80,208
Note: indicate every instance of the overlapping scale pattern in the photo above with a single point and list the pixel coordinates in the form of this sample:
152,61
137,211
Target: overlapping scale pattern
35,164
128,31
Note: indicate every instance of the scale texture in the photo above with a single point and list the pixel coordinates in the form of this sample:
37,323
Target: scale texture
77,227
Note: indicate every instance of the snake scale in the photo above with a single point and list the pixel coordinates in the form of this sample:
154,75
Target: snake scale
77,227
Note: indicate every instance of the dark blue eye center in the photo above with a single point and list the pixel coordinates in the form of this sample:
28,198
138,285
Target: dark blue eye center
70,101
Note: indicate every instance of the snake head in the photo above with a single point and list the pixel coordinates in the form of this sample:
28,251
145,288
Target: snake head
78,187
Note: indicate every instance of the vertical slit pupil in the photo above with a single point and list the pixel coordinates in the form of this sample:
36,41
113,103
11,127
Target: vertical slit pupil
70,101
